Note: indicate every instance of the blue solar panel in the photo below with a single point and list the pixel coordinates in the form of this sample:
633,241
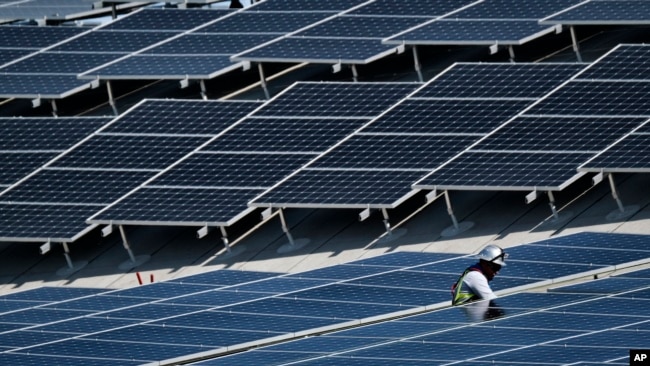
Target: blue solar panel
512,81
35,37
319,50
214,44
361,27
558,354
272,23
339,272
215,298
110,41
20,339
472,32
604,286
506,170
142,66
595,256
36,360
159,290
8,55
129,152
46,133
98,303
49,294
420,116
150,311
224,277
404,259
195,117
597,98
244,170
82,325
631,154
636,274
40,86
59,63
599,240
166,19
75,186
604,12
35,221
35,316
289,134
278,285
311,6
513,9
17,165
424,9
625,62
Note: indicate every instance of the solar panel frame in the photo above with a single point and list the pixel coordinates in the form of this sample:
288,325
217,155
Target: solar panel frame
603,12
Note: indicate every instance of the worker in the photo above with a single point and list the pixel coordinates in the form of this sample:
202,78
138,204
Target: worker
473,284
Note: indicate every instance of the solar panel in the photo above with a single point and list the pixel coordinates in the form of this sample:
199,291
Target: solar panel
597,98
16,165
8,55
488,81
423,9
26,133
513,9
603,12
271,23
360,26
58,63
625,62
493,170
472,32
630,154
318,50
312,6
202,44
34,37
41,86
111,41
166,19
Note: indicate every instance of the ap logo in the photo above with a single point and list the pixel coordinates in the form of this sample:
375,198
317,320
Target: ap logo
639,357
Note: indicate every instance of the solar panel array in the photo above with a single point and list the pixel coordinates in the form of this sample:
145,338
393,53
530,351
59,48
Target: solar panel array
542,147
213,185
53,203
375,166
489,22
215,313
599,12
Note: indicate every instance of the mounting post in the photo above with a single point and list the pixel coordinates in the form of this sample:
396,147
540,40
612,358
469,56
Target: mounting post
574,40
450,210
623,212
55,110
66,254
456,228
125,243
416,64
204,91
551,203
260,69
511,52
355,74
111,100
133,260
615,193
224,238
386,222
285,228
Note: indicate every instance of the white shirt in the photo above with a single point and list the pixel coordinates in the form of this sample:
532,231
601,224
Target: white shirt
476,282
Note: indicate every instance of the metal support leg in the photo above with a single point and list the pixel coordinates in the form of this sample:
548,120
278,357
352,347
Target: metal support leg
126,245
260,69
204,92
133,260
615,193
511,51
55,110
574,40
66,254
416,64
285,228
386,222
224,238
355,74
111,101
551,203
456,228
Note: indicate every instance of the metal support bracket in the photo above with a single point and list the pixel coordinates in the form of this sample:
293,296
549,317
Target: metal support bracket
224,238
133,260
204,90
386,221
511,52
551,203
417,64
457,227
55,110
111,100
70,267
574,40
355,73
260,69
292,244
623,212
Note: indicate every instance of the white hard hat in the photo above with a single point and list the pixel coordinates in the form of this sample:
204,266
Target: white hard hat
493,253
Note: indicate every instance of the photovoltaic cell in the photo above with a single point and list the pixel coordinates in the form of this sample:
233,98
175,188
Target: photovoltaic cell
40,86
414,9
192,207
508,170
43,222
59,63
112,41
318,50
311,6
513,9
559,133
214,44
625,62
630,154
420,116
272,23
527,81
129,152
309,134
597,98
35,37
191,117
166,19
355,100
394,152
331,188
604,12
472,32
237,170
75,186
141,66
361,27
31,133
8,55
17,165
